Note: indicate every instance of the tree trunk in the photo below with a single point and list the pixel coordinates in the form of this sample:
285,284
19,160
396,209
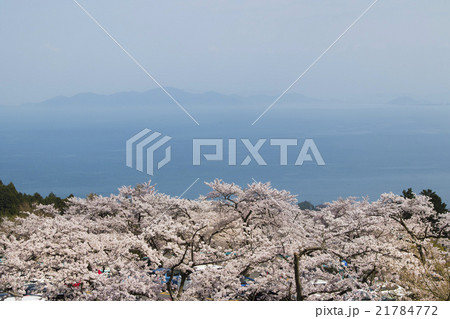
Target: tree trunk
169,285
181,285
298,283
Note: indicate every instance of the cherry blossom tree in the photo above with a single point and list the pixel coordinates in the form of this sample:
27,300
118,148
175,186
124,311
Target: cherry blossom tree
235,243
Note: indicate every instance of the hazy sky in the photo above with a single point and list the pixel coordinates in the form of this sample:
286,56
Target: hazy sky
51,48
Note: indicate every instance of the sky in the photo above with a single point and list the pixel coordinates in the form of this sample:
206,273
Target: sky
399,48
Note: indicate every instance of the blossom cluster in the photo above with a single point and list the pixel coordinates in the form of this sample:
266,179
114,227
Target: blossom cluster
235,243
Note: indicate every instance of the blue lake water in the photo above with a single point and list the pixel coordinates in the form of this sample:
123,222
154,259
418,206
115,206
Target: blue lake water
368,149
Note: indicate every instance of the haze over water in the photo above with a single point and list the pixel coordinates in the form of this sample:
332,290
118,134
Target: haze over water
368,149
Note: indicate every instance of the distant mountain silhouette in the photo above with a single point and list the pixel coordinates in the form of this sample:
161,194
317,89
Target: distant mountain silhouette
158,97
405,100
